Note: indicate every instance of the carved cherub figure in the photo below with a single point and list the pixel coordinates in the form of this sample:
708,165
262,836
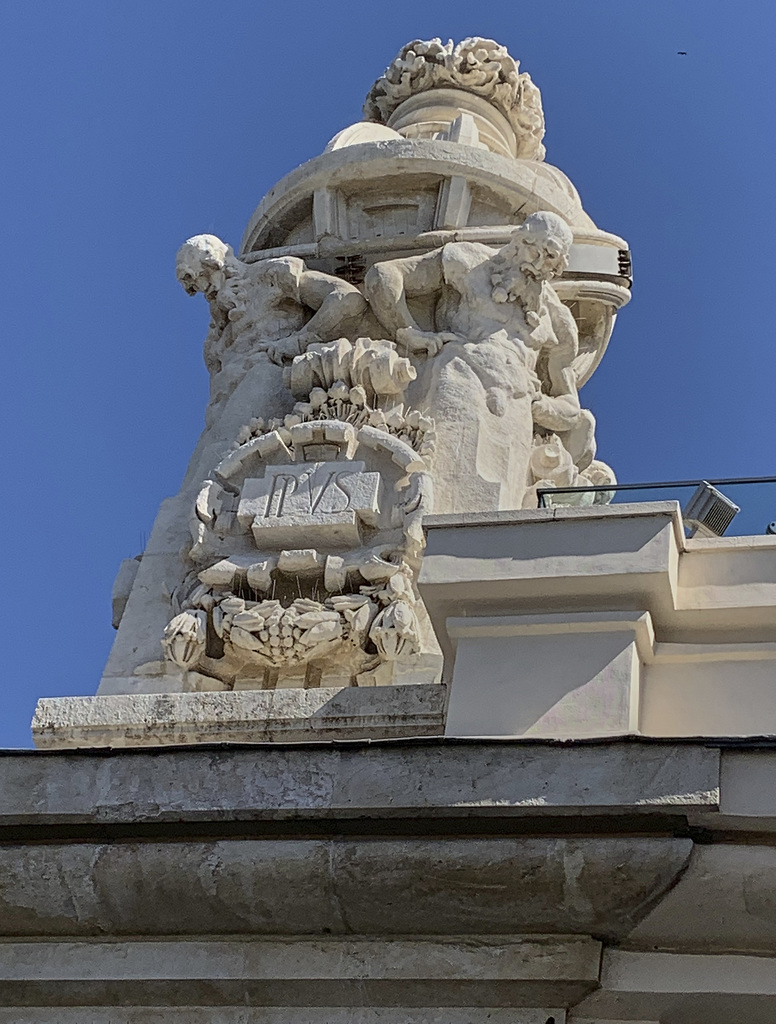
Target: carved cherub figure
503,342
276,306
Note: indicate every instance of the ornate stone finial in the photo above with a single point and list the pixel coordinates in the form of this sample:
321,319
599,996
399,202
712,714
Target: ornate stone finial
479,67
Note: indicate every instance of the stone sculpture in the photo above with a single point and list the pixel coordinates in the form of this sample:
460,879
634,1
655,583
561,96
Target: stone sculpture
503,347
405,330
276,306
479,67
342,472
305,545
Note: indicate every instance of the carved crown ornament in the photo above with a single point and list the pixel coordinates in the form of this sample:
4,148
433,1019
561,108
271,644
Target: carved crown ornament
481,67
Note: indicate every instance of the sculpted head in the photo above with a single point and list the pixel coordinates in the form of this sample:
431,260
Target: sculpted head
201,263
538,251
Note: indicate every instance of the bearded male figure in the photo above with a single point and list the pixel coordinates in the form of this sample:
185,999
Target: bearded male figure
275,307
499,360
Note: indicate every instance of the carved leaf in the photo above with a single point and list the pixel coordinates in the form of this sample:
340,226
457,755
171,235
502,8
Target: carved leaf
330,629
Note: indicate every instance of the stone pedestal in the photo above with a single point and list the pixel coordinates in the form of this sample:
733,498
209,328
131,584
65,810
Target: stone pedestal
553,676
403,330
247,716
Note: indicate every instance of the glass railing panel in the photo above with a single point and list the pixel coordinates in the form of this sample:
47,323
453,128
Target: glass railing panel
754,496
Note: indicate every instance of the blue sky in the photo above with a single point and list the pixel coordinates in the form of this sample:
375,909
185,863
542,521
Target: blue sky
129,127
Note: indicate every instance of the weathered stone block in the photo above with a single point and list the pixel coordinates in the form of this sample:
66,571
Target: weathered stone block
311,503
244,716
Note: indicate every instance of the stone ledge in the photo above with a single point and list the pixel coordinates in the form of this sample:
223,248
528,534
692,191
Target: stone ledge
661,986
282,1015
559,513
245,716
379,888
473,969
431,777
518,958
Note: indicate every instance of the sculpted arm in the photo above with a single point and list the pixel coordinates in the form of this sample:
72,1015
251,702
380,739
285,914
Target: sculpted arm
560,409
562,355
389,284
337,305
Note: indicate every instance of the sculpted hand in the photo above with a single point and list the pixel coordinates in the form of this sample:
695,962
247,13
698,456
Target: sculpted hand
422,342
282,351
555,413
541,404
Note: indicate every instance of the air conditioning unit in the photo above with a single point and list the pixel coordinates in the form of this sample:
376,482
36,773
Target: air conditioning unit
708,512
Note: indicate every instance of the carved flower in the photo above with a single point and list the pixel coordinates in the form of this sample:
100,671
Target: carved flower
395,631
276,635
395,417
360,621
476,65
322,632
184,638
359,613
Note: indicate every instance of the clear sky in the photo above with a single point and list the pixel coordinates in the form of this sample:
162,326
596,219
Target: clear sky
128,127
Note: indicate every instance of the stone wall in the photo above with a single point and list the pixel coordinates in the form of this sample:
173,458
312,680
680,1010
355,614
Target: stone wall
415,881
